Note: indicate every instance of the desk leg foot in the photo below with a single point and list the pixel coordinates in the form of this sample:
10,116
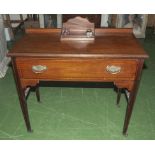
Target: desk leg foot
30,130
24,108
125,134
118,106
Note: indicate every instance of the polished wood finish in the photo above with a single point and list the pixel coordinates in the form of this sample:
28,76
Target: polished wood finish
94,18
78,28
114,56
81,69
107,44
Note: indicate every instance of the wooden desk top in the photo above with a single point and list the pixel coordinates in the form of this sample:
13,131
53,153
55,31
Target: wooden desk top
108,43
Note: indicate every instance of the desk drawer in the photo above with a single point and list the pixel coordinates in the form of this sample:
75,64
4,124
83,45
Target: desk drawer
76,69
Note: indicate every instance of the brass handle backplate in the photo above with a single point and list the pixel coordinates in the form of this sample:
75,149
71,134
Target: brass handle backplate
39,68
113,69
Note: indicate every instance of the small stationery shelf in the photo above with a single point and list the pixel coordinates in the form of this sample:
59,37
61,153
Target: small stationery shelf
78,28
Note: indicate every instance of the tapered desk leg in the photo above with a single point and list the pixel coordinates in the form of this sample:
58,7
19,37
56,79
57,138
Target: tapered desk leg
129,109
24,108
37,93
132,98
22,97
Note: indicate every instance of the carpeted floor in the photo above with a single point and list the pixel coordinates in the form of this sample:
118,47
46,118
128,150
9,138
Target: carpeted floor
80,112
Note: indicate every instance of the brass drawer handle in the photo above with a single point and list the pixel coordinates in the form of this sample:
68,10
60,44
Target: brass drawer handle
113,69
39,68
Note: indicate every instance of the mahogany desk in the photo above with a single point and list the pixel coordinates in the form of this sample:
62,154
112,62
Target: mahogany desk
114,56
